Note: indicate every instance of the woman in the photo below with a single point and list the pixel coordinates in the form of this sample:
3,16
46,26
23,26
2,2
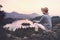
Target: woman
46,23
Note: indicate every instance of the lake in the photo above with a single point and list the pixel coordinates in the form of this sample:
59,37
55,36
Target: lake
17,24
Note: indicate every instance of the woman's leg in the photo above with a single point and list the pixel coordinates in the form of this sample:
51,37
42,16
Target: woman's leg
40,26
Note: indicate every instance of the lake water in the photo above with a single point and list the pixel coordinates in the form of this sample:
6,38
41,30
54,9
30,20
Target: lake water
17,24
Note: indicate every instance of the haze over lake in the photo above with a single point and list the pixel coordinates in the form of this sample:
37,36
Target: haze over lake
17,24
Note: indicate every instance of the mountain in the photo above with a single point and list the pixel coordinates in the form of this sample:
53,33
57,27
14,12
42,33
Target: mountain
20,15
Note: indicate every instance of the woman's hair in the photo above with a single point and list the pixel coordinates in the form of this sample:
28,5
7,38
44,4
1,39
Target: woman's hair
45,9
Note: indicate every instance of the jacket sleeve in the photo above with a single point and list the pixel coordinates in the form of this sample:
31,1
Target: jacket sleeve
41,18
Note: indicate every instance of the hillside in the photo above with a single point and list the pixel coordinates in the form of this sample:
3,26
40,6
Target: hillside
29,33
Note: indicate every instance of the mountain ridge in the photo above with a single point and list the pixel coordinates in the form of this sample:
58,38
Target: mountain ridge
20,15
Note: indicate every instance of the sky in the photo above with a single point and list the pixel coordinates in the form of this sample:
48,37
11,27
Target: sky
31,6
